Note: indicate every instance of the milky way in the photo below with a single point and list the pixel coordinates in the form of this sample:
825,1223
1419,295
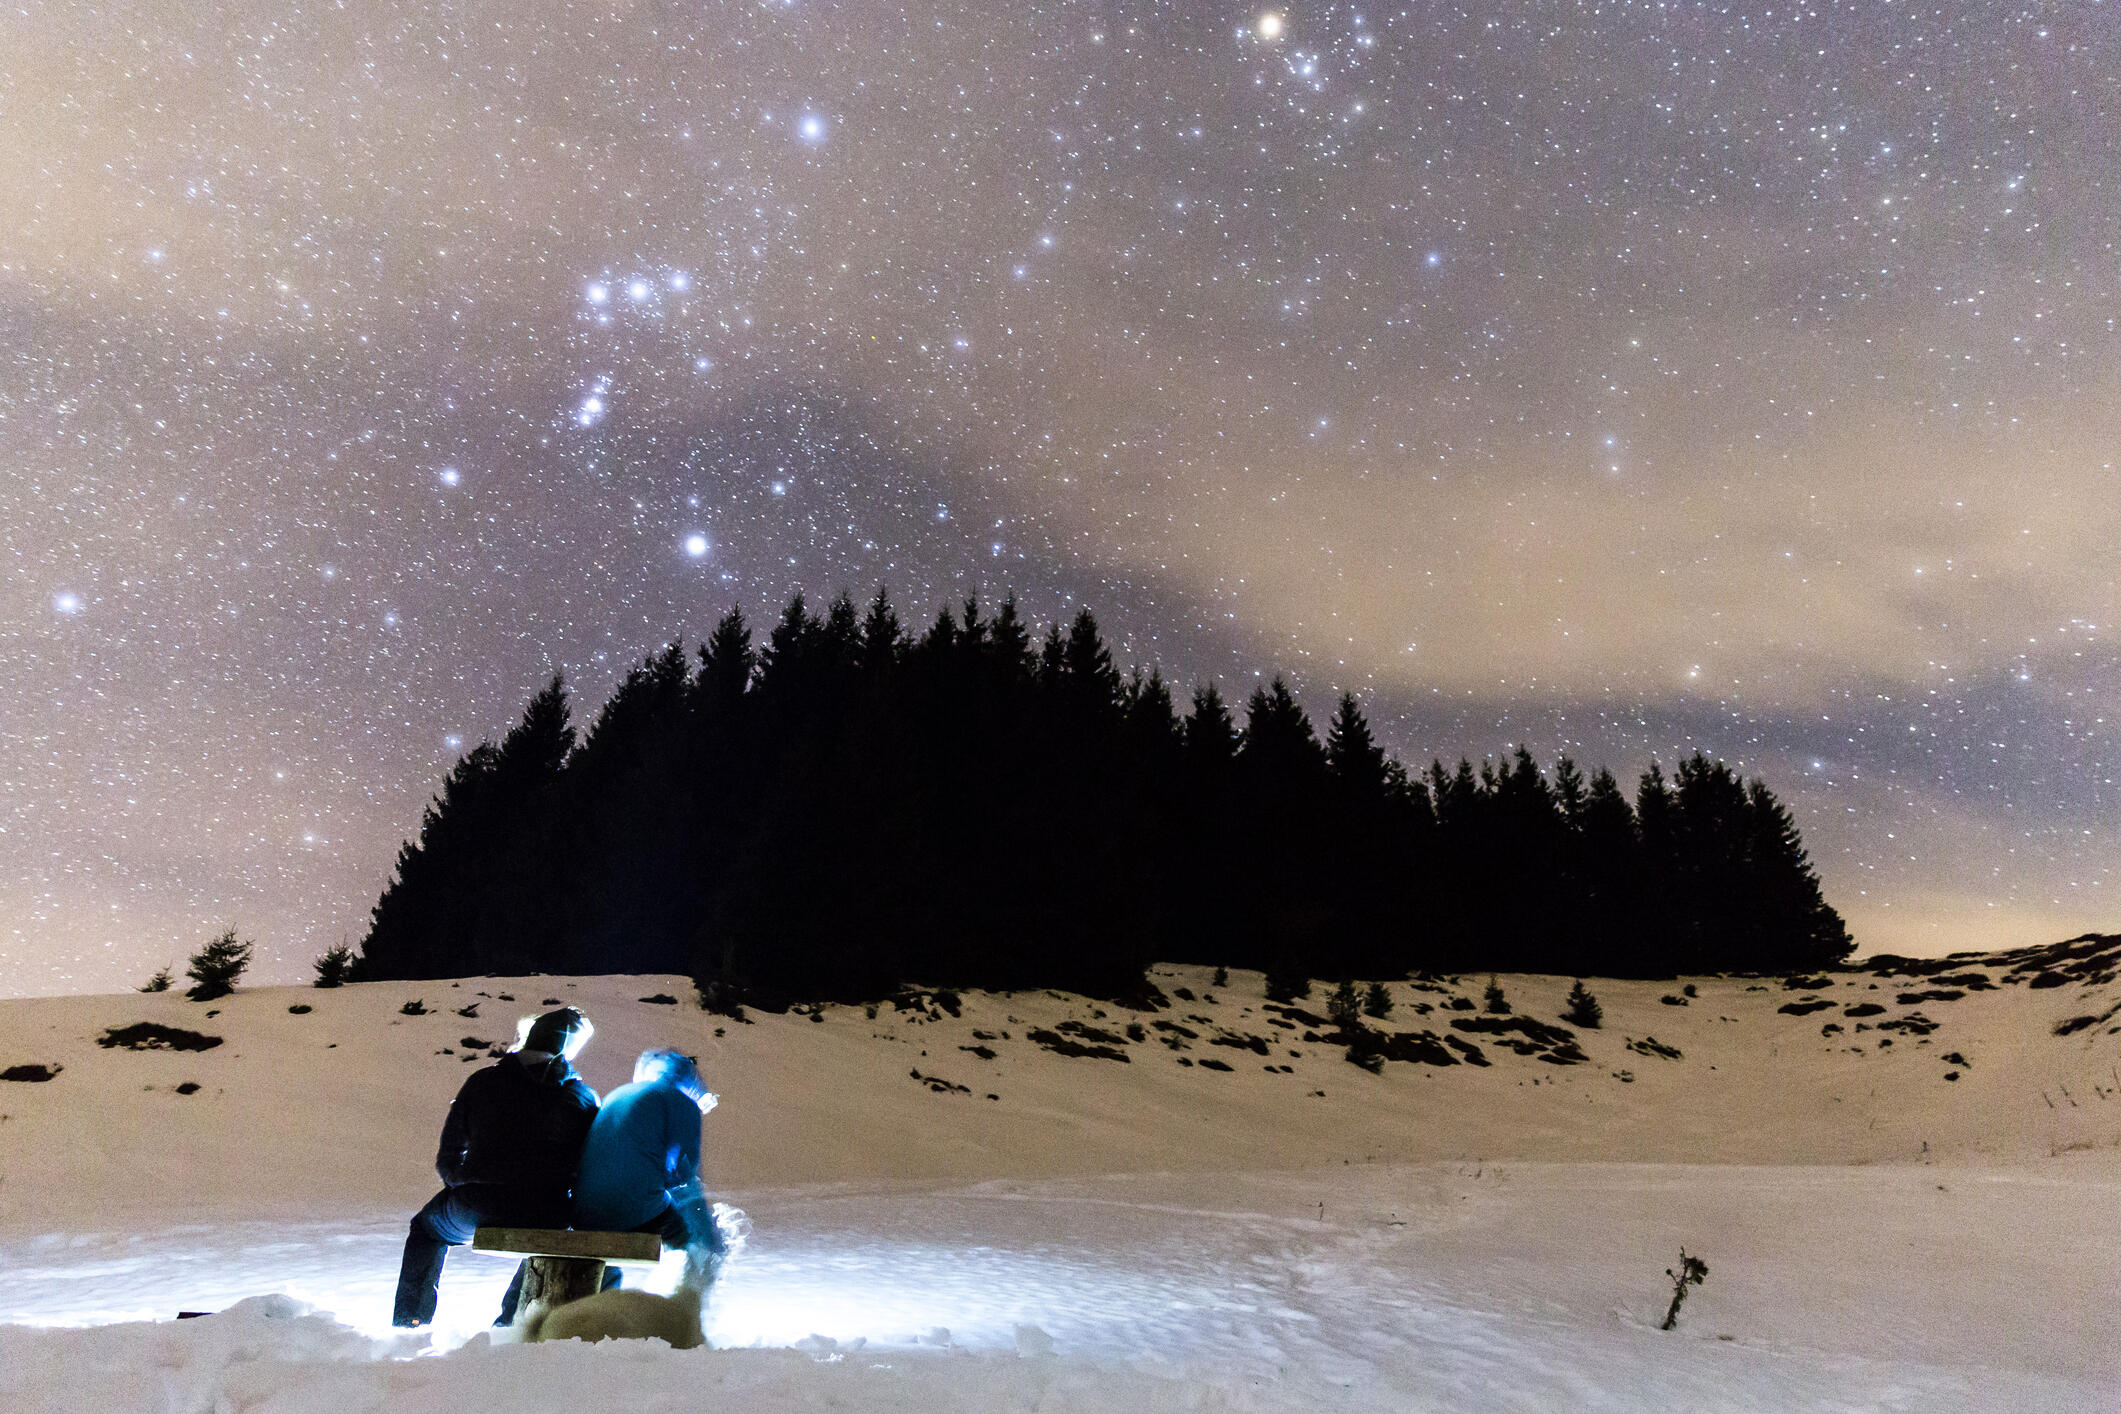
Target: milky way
1615,379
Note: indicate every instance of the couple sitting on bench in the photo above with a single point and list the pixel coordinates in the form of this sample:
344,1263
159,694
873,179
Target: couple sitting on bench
527,1146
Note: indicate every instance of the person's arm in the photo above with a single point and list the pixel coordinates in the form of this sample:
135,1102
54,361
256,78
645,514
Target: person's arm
683,1149
456,1137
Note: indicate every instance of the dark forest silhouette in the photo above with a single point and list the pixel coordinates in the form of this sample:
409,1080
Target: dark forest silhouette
852,808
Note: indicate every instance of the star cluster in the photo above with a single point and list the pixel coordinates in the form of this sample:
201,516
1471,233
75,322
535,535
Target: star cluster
1622,379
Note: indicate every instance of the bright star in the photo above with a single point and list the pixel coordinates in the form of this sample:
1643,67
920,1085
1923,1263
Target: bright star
696,545
638,289
66,602
450,476
1268,26
598,293
679,280
810,128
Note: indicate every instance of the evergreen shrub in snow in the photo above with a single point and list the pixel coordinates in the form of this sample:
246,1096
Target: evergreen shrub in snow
215,968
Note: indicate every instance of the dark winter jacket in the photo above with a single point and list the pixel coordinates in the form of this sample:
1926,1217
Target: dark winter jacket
519,1123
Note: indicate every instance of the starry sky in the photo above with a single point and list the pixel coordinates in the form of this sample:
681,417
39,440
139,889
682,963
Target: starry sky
1622,379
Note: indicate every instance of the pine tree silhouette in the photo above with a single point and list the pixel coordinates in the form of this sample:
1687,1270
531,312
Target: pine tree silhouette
334,966
727,661
1344,1007
481,890
215,969
987,805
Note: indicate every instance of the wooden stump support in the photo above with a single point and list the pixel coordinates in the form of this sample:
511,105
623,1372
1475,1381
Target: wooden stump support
567,1264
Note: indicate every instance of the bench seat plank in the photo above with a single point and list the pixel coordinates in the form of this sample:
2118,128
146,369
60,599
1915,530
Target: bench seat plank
569,1242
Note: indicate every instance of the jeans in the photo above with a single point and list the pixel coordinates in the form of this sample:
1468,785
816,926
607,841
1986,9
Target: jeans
449,1220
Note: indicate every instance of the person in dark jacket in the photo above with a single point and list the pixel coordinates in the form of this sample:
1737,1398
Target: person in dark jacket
641,1165
509,1152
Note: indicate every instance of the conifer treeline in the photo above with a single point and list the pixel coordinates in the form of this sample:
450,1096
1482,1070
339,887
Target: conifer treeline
853,807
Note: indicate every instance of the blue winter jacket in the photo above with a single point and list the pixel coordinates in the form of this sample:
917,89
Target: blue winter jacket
644,1143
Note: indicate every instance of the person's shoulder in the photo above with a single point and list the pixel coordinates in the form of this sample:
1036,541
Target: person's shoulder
480,1079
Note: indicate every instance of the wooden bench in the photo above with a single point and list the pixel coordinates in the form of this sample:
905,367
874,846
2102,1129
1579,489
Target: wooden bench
566,1264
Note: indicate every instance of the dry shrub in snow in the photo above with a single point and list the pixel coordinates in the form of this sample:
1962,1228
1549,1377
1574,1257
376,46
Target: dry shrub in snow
1691,1272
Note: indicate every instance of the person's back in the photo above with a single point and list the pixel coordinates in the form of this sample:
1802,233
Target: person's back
644,1142
640,1168
519,1124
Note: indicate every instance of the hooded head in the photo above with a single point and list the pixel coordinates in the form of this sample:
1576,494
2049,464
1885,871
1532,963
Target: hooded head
560,1033
674,1068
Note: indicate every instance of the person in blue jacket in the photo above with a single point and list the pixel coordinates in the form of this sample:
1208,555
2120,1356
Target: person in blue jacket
641,1165
508,1156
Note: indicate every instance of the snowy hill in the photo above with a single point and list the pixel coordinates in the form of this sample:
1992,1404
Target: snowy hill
1901,1178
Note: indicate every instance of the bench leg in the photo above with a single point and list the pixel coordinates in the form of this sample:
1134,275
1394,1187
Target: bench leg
555,1281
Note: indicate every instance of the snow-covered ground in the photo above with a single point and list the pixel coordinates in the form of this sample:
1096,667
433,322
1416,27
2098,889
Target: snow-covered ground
1108,1235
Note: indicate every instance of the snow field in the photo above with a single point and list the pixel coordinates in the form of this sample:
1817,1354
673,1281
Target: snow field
1104,1236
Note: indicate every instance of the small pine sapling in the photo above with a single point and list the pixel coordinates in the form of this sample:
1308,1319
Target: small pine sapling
1377,1001
334,967
1495,1000
1583,1009
1690,1272
1344,1007
1286,984
157,983
1222,977
215,968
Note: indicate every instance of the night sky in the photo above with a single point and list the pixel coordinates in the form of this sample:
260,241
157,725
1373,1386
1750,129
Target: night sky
1618,379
